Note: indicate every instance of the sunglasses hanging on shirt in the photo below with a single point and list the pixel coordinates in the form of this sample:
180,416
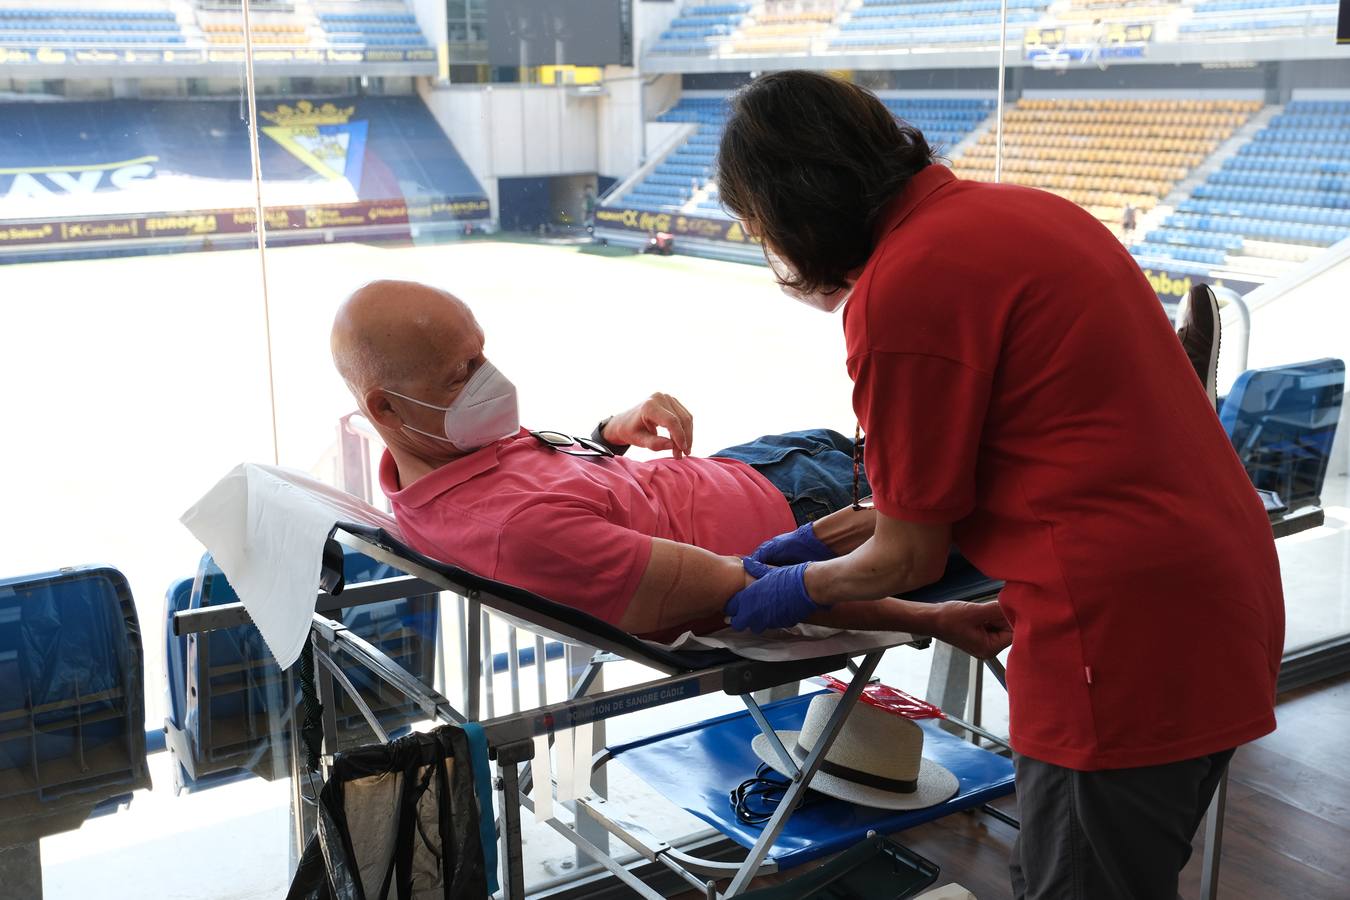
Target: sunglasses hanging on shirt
572,446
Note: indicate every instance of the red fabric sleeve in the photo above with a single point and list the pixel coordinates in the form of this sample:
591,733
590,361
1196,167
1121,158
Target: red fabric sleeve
923,416
570,555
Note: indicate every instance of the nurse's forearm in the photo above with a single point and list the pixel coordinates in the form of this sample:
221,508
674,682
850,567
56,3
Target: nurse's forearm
845,530
900,556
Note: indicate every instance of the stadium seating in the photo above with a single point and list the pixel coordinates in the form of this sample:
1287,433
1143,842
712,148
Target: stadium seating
890,24
72,699
1284,194
86,27
701,27
228,699
376,24
1104,153
682,182
383,148
1225,19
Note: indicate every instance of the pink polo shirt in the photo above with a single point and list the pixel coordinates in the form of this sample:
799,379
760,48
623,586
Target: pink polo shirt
578,530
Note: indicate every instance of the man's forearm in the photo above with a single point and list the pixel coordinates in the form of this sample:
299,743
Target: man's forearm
890,614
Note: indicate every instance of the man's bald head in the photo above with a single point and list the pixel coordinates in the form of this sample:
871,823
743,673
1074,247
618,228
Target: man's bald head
393,334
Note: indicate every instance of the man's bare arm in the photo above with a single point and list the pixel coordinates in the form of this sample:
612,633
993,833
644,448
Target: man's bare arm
682,583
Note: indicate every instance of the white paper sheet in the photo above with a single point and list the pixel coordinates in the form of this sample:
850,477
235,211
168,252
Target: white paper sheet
567,767
541,769
266,528
582,750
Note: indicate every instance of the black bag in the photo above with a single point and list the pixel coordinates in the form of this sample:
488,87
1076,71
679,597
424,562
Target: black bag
398,821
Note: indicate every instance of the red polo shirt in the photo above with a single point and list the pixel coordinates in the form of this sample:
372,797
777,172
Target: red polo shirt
1018,378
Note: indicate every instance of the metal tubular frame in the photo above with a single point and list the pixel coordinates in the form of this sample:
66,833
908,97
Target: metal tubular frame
511,737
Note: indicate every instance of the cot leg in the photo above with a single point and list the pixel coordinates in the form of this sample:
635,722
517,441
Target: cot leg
508,782
949,682
21,870
1209,874
473,660
788,804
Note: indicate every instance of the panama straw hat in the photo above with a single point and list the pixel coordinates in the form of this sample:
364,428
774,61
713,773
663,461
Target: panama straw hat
876,760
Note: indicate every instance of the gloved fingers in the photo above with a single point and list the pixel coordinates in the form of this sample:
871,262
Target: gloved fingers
755,567
767,552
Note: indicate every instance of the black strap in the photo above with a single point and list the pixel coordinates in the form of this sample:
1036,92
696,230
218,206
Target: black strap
867,779
311,726
598,435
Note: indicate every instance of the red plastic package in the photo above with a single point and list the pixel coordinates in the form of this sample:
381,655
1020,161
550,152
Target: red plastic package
888,698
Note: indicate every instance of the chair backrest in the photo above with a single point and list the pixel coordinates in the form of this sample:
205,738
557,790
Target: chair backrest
72,699
1282,421
229,699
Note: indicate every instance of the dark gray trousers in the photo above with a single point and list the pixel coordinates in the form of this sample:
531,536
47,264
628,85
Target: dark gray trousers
1114,834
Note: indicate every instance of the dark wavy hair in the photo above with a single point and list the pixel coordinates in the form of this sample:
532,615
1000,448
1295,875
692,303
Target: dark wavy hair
809,161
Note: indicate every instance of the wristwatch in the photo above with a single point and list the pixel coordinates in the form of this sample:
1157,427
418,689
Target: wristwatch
598,435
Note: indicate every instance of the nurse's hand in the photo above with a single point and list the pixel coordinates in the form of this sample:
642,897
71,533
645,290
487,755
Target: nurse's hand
797,546
977,628
777,598
638,426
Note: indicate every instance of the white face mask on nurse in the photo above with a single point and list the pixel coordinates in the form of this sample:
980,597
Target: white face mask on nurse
825,301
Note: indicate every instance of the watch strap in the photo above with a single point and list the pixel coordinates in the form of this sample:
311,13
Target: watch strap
598,435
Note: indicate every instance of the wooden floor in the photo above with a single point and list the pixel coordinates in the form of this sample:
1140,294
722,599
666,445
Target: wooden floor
1287,832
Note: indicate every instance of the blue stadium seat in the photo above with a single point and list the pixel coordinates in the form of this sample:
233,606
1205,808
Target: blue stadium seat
227,695
72,699
1282,421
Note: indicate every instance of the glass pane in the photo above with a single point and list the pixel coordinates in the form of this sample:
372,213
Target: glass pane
137,352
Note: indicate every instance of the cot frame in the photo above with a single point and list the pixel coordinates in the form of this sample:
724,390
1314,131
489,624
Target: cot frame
510,738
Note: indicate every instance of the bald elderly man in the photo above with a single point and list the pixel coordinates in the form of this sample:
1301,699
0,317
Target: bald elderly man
653,547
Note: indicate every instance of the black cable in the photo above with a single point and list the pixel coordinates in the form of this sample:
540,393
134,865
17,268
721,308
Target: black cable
756,799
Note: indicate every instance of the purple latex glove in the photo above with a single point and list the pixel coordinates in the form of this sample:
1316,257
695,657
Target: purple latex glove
777,599
797,546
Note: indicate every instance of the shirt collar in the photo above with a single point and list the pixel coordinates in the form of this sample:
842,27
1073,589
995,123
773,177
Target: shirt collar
442,479
919,188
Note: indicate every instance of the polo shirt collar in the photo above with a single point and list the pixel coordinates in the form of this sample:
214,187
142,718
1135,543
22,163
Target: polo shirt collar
923,185
446,477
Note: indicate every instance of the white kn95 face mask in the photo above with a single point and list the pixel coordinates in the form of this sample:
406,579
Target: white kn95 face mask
483,412
821,300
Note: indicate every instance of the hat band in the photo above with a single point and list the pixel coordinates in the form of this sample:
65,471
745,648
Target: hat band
867,779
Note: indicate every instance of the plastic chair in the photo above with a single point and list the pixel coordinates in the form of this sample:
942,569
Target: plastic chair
72,700
228,698
1282,421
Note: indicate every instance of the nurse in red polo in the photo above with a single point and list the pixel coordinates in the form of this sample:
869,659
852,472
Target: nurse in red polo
1024,397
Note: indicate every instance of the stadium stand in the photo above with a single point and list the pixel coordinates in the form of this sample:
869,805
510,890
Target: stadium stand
1094,11
82,27
372,23
701,27
1243,19
1106,153
682,181
784,26
173,169
893,24
1280,199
